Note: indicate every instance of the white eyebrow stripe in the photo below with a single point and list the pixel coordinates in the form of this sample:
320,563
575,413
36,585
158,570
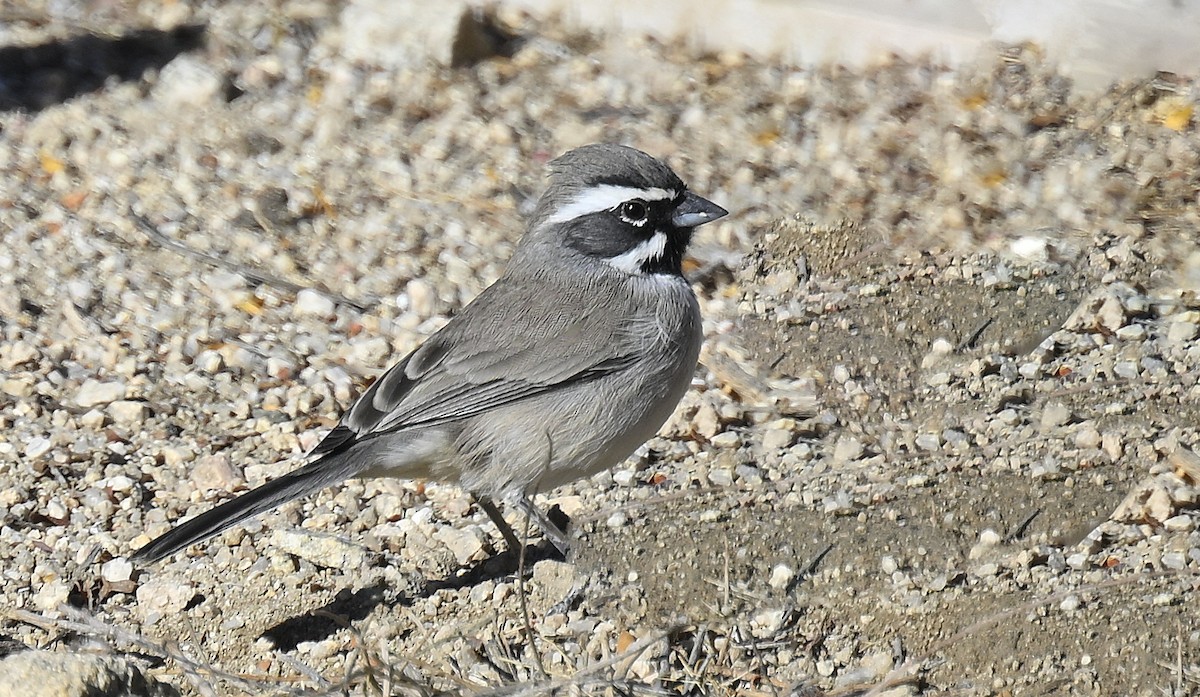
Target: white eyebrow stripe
632,261
603,197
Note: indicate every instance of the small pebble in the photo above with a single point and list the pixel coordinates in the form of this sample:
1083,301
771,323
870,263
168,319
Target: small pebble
116,570
1055,414
848,449
93,392
624,477
214,472
781,576
126,412
466,543
928,442
727,439
1181,332
37,447
720,476
1087,438
310,303
324,550
776,439
163,596
1176,561
1132,332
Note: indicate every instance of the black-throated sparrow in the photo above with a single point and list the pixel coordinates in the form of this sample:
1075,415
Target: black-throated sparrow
560,369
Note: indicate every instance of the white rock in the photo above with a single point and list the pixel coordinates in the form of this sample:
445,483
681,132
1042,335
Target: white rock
118,482
781,576
1111,314
67,674
466,544
1112,445
127,412
1087,438
705,421
37,447
848,449
988,569
617,520
1055,414
93,418
310,303
116,570
1179,523
56,510
50,595
1181,332
624,477
839,503
280,367
1131,332
938,379
728,439
720,476
776,439
177,455
397,35
209,362
343,386
1159,505
214,472
421,298
928,442
93,392
17,353
767,623
941,347
1029,248
322,550
1175,561
17,387
163,596
187,81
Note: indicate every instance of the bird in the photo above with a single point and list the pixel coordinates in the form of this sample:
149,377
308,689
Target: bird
575,356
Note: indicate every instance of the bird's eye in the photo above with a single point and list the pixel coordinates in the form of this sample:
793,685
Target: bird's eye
634,211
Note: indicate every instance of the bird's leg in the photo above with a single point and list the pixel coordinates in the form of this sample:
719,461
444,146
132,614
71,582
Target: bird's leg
510,537
550,531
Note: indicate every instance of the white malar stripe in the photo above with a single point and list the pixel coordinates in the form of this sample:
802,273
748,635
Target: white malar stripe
632,261
603,197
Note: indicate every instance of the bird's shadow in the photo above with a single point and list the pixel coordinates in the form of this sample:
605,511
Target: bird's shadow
38,76
350,606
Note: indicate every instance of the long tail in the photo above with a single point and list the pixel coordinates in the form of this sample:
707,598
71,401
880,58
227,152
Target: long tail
312,477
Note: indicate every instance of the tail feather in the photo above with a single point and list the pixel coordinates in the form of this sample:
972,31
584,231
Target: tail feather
305,480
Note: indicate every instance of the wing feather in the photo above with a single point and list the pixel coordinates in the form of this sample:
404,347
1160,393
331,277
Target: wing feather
492,354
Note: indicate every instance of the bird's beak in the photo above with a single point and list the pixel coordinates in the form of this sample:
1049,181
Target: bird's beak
695,211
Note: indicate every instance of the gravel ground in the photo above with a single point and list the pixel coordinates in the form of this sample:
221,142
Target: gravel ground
942,440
